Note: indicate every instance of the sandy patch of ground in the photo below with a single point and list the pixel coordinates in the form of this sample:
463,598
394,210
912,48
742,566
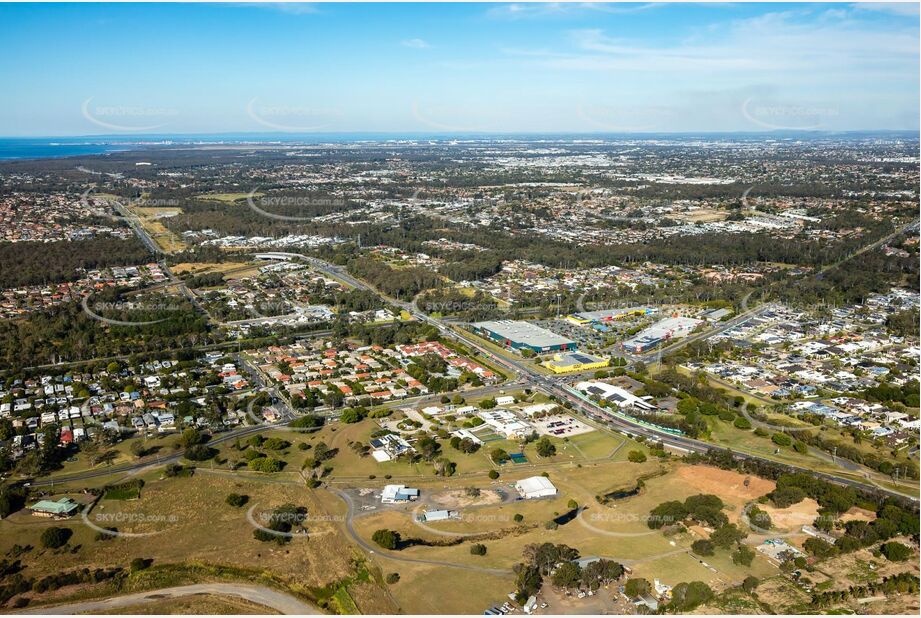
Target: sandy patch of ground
726,484
793,517
857,513
458,498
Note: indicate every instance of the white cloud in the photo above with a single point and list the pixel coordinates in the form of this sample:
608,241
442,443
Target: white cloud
910,9
781,44
415,44
560,9
291,8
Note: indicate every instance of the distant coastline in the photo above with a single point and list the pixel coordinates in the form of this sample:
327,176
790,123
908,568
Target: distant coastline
24,148
12,149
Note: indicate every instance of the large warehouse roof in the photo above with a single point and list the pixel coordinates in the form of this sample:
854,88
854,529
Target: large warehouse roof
536,487
525,332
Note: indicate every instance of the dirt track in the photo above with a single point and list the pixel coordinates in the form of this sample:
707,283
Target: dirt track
279,601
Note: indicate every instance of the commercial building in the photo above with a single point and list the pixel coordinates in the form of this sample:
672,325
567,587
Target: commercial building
506,423
535,487
661,331
522,335
394,494
715,315
569,362
620,397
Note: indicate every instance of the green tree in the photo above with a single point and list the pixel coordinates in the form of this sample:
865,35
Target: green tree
726,536
666,514
702,547
567,575
750,584
55,537
545,448
688,596
636,456
237,500
743,555
636,587
895,552
190,437
499,455
388,539
781,439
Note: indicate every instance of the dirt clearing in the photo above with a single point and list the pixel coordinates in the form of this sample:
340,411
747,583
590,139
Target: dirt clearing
793,517
724,483
459,498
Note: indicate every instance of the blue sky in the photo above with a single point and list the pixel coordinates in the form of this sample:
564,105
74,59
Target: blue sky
206,68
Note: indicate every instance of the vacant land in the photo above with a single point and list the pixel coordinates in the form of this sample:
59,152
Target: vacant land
793,517
616,531
226,197
151,220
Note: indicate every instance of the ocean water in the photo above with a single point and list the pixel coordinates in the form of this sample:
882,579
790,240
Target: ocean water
43,148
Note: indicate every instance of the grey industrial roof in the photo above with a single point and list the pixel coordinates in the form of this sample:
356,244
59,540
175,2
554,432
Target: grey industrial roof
524,332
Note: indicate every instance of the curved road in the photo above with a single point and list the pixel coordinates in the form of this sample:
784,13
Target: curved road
261,595
371,549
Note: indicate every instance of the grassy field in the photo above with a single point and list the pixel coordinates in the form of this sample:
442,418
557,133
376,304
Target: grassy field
426,589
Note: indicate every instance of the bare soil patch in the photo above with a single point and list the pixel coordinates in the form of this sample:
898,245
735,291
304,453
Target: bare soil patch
458,498
857,513
726,484
793,517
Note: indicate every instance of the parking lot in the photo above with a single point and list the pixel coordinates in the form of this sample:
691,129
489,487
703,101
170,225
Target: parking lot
561,426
